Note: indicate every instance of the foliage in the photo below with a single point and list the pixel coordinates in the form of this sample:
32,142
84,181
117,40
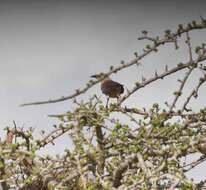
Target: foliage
147,151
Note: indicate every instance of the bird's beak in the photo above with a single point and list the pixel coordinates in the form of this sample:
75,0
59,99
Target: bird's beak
94,76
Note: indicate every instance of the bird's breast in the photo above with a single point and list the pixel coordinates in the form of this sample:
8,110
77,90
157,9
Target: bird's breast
111,88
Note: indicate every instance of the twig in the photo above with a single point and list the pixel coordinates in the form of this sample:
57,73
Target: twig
193,93
195,163
183,82
118,172
53,135
188,42
179,92
146,170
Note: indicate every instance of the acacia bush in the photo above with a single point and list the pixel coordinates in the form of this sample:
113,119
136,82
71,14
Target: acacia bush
146,151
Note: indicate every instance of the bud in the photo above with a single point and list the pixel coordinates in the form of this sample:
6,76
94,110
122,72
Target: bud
144,32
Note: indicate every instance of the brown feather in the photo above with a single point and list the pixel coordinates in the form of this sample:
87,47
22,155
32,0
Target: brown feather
111,88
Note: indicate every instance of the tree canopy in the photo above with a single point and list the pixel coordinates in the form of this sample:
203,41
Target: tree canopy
147,150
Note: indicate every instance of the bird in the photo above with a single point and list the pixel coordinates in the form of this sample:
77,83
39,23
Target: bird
110,88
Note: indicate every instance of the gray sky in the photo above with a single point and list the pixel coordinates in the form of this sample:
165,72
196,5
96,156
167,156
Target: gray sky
49,48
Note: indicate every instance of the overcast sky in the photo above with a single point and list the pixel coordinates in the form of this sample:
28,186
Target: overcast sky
49,48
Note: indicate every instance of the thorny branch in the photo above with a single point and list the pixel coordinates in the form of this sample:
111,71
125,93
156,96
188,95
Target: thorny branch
194,93
109,152
183,82
168,38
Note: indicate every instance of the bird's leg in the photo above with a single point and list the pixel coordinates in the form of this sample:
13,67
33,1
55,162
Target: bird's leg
118,97
107,102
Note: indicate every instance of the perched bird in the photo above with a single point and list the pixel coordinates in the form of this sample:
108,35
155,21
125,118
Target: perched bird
109,87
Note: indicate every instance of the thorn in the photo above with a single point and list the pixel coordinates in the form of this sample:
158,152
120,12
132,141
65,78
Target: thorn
166,103
202,19
179,80
156,75
122,62
136,55
143,79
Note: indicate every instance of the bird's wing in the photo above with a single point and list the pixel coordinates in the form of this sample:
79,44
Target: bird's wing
119,86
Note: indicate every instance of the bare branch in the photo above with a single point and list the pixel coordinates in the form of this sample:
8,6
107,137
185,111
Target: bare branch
179,91
160,76
194,93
